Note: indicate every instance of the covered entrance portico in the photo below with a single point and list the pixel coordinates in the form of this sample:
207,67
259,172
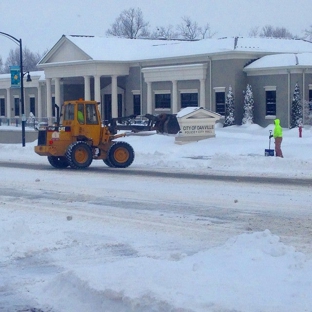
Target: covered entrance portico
90,78
65,62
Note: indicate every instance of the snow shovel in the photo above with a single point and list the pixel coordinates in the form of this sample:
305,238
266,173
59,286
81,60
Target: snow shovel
269,151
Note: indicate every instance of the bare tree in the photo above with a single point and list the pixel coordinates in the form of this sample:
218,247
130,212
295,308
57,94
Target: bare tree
129,24
1,65
190,30
205,31
308,33
30,60
277,32
271,32
254,32
165,33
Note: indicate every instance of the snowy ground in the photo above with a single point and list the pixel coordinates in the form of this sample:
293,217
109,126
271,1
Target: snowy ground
85,241
236,150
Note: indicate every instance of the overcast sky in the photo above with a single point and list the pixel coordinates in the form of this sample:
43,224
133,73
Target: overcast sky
41,23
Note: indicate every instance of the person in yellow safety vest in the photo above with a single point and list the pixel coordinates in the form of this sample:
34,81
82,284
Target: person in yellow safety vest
80,117
278,136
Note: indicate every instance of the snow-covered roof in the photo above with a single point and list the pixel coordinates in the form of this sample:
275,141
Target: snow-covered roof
187,110
281,60
121,49
191,111
40,74
36,77
33,74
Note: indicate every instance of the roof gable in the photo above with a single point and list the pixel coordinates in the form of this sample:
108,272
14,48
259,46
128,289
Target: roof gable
65,51
197,113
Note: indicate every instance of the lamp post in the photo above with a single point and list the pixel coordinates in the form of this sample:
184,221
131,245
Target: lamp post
19,42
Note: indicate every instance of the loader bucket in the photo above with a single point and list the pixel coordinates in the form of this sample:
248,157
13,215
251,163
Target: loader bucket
167,124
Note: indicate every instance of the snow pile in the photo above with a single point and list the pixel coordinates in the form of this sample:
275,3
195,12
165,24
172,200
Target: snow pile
249,270
213,274
234,150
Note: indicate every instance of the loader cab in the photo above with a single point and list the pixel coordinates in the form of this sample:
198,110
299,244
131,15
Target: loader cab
87,114
83,118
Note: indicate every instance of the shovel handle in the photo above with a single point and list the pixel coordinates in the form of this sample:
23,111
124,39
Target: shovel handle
270,139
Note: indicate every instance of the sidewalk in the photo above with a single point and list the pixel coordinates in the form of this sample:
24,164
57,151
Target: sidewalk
13,135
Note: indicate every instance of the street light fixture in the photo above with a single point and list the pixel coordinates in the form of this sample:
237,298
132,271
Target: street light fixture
19,42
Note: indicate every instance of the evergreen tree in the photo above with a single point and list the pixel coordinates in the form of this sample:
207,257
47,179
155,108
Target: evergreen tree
296,108
248,106
229,109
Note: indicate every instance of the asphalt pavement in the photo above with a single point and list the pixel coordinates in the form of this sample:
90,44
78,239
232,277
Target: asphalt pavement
166,174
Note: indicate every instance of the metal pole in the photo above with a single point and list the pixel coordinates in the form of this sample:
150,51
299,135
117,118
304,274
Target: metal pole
22,93
19,42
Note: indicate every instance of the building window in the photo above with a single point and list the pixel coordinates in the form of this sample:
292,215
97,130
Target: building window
108,106
17,106
310,101
220,103
2,107
162,101
136,104
119,105
270,99
32,105
189,99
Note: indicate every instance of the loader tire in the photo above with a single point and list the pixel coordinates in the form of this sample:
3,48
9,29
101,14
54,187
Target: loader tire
59,162
79,155
121,155
108,163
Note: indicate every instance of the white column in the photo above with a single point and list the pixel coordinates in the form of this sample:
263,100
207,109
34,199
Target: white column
202,93
87,92
57,82
39,114
149,98
49,99
8,102
114,97
97,88
174,96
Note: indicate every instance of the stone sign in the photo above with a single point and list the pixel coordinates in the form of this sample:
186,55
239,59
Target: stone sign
196,123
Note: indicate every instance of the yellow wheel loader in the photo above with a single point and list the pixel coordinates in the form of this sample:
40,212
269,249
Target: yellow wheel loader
79,137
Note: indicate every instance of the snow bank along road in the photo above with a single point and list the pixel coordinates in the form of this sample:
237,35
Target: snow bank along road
55,221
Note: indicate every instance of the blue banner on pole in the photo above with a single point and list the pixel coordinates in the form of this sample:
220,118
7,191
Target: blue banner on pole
15,76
